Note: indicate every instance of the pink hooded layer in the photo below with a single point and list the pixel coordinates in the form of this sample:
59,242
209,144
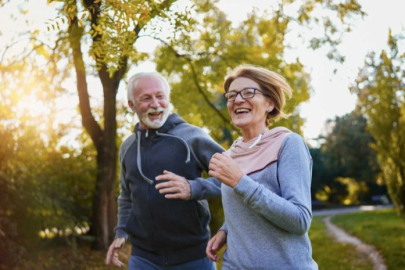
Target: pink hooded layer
258,157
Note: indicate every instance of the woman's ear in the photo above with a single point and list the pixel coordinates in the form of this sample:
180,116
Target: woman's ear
270,106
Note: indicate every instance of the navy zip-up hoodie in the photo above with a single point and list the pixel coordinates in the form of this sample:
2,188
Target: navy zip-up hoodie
166,231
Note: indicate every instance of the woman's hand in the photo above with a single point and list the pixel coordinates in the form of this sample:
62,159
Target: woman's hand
216,244
225,169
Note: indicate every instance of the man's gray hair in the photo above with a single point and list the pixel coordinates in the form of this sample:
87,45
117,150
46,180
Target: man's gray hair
133,80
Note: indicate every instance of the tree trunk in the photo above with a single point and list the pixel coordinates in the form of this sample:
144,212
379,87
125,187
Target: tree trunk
104,216
104,203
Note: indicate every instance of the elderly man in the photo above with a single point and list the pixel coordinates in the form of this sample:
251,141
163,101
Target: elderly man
166,221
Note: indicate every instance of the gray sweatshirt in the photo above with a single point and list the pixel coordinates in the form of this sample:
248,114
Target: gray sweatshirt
268,214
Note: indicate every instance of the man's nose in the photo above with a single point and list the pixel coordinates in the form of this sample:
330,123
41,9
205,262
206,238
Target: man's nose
154,102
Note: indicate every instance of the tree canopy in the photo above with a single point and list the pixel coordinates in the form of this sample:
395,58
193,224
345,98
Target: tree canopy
197,62
345,166
380,87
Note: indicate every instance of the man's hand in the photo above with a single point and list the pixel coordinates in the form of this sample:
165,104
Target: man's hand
216,244
225,169
176,187
112,254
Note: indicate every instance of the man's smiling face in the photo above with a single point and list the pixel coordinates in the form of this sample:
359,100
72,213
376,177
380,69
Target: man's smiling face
151,102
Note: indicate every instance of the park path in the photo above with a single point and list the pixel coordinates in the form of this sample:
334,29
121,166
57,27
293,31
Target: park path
366,251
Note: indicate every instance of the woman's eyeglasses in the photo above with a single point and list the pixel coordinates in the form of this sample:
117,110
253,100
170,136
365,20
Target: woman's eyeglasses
245,93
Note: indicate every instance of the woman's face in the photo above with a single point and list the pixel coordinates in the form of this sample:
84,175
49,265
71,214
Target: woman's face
249,114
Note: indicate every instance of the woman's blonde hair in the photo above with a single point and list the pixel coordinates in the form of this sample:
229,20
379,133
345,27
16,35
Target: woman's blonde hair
269,81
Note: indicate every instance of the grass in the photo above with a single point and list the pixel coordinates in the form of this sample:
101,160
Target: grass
332,255
383,229
64,258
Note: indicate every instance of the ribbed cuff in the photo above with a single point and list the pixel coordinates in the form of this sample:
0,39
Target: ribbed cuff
120,233
223,228
196,190
246,187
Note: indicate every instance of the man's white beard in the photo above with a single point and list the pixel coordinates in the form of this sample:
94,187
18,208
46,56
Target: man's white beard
155,124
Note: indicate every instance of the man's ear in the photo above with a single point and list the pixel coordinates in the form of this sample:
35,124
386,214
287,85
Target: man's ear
132,106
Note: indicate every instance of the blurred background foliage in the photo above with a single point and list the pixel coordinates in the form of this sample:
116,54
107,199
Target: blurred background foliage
49,168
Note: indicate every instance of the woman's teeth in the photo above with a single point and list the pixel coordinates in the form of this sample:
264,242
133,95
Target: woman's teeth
238,111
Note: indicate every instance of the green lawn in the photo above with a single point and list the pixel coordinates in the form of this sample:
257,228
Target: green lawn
331,255
382,229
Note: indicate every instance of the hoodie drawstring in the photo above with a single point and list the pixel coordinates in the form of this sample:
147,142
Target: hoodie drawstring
181,139
138,159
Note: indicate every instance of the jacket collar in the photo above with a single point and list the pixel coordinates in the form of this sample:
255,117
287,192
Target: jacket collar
173,120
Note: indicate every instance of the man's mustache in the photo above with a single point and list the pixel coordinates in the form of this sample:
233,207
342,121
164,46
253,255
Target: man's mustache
158,110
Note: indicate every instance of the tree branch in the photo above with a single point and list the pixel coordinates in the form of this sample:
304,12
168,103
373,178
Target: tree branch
187,57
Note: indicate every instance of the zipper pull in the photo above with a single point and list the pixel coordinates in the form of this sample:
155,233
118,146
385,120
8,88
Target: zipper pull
147,133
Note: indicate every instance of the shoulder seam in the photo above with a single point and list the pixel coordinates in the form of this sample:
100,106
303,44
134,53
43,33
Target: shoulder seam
127,147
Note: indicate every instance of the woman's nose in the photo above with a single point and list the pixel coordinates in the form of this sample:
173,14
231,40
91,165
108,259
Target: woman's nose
239,98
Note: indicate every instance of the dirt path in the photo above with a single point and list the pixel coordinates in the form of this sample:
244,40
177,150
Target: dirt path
365,250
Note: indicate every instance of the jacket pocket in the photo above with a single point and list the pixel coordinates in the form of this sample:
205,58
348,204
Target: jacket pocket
138,232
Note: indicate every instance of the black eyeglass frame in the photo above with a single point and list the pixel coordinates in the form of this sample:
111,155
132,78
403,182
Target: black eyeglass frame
240,93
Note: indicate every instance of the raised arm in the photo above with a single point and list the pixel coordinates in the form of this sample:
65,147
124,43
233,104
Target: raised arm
292,211
202,148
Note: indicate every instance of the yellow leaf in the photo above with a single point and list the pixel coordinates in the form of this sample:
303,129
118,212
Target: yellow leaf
42,51
84,15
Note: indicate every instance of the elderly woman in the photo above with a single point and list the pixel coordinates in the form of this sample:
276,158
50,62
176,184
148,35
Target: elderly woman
266,179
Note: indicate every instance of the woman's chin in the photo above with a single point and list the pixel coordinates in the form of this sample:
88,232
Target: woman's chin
240,124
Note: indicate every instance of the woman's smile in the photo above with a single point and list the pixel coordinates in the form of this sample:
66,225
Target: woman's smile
248,114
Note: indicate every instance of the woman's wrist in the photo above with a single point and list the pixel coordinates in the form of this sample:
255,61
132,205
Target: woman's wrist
236,182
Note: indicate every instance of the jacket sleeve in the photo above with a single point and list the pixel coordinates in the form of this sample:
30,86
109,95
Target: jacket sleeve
224,228
124,201
203,147
292,211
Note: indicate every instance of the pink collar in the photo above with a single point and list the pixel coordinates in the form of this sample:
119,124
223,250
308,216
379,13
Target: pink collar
256,158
